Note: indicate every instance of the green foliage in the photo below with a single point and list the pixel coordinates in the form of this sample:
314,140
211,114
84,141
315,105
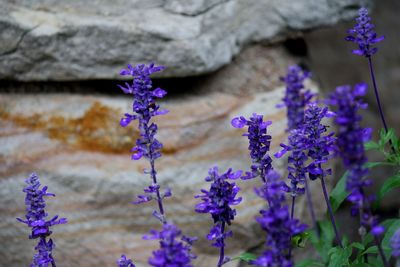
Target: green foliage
388,235
339,193
389,145
245,256
339,257
390,184
310,263
323,244
300,240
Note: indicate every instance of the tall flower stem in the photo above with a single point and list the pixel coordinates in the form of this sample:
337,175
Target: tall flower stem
311,208
330,211
378,100
222,248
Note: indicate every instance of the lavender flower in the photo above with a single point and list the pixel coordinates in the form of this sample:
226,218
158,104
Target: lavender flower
144,108
297,161
320,145
276,221
124,262
350,142
296,97
364,35
218,201
395,244
259,144
172,252
36,219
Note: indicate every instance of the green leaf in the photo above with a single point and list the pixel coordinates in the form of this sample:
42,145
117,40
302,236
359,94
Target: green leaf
339,193
388,235
300,240
371,250
309,263
324,244
371,165
339,257
371,145
357,245
361,264
390,184
245,256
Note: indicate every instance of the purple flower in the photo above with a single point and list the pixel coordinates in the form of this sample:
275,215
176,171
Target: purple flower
124,262
218,201
364,35
320,145
276,221
350,146
298,144
395,244
147,146
259,144
296,98
36,219
172,252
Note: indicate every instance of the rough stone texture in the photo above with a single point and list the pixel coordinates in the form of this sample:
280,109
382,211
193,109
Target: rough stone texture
74,143
74,40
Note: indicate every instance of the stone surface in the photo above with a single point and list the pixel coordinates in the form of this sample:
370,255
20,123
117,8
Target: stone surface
75,40
74,143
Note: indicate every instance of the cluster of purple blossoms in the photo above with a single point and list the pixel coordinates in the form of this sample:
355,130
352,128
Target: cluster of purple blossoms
36,219
350,144
276,221
320,145
297,159
259,144
218,201
296,98
172,252
124,262
144,108
363,35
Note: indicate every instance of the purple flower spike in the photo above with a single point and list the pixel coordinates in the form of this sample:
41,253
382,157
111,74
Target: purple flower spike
218,201
172,252
364,35
350,146
296,97
276,221
36,219
298,144
259,144
124,262
395,244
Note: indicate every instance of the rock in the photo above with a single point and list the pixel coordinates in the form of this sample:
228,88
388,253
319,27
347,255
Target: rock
52,40
76,146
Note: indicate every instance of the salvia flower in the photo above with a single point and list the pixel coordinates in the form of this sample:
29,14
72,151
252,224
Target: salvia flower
364,35
350,145
124,262
320,144
36,218
218,202
298,144
296,97
395,244
259,144
144,108
276,221
173,251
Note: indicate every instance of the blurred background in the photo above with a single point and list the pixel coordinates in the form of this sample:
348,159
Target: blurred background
60,109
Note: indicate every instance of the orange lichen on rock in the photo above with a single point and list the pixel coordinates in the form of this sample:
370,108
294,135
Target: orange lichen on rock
97,130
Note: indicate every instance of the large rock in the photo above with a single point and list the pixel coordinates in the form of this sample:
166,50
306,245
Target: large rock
76,146
78,40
